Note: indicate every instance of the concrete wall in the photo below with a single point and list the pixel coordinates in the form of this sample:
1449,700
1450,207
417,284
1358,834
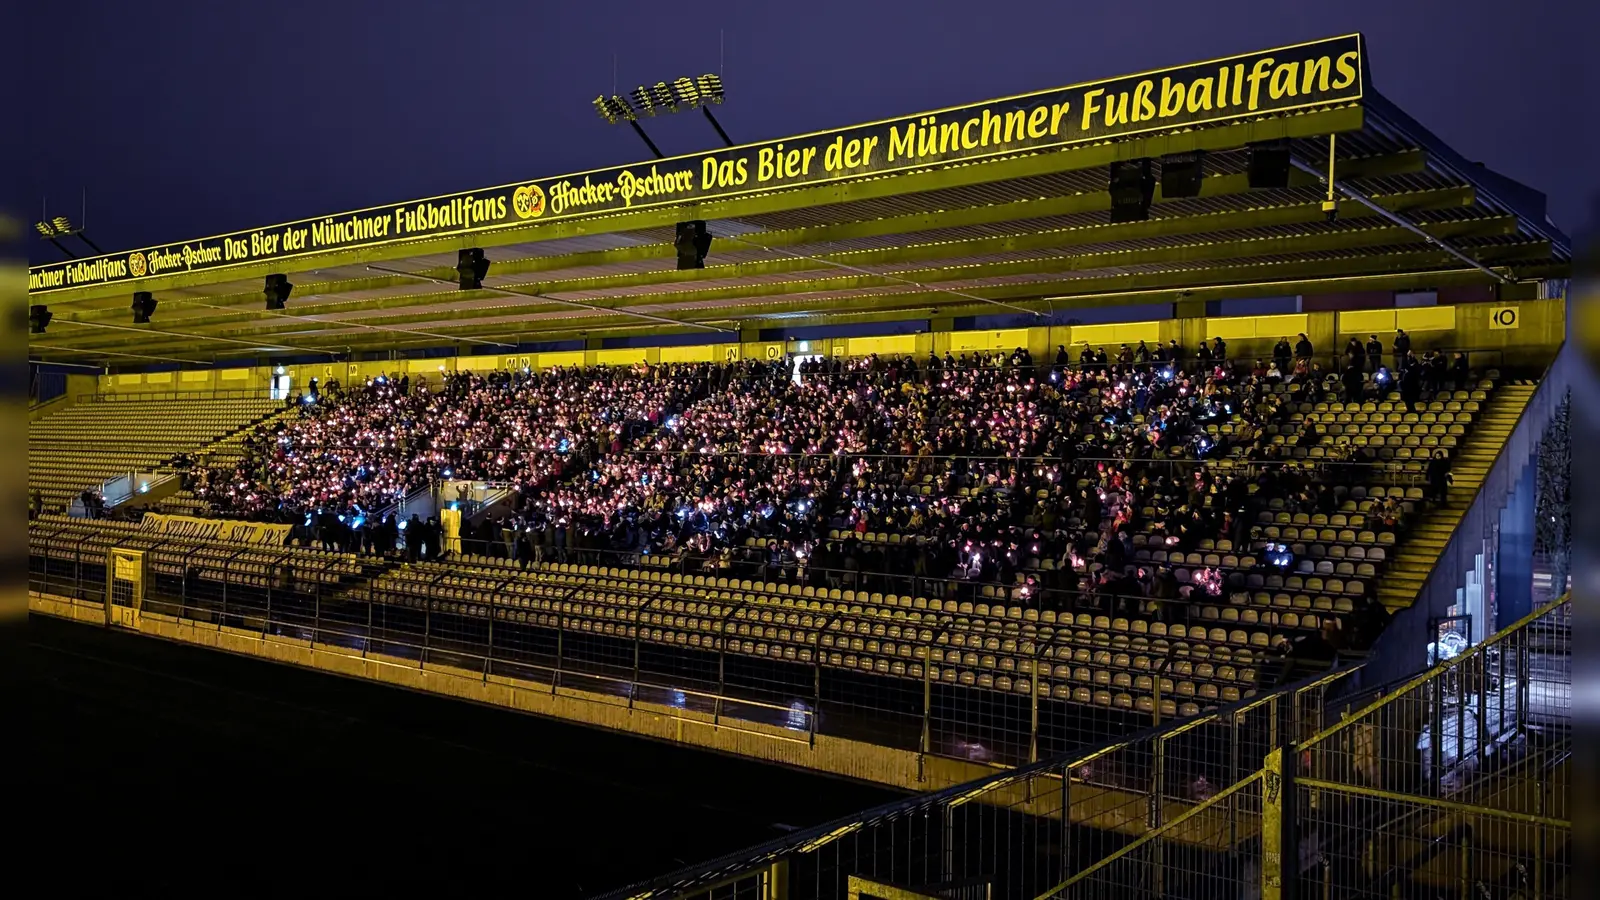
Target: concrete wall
1399,652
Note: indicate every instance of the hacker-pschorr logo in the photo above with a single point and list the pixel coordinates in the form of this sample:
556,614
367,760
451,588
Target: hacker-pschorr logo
136,264
528,201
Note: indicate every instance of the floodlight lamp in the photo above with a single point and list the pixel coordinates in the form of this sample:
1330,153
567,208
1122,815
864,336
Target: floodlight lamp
711,87
613,109
45,229
688,92
663,96
619,109
643,101
63,225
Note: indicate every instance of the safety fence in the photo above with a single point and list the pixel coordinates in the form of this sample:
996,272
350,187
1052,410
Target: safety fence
1453,781
966,682
1456,783
1452,784
1025,833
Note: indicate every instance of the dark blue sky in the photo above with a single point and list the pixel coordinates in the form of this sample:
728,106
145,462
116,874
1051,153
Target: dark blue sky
185,118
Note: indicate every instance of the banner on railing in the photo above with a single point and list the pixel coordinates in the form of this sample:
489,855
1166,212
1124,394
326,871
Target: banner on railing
265,533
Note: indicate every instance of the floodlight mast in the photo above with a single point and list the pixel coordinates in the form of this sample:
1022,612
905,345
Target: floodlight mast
649,100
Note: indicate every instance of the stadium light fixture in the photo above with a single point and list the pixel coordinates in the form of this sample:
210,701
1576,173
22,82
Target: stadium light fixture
471,266
277,290
47,230
650,100
39,317
60,227
695,93
143,306
615,109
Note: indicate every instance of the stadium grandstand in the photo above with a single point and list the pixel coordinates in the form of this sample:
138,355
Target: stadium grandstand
1151,473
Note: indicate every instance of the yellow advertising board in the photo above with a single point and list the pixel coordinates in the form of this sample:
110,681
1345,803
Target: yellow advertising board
1317,74
265,533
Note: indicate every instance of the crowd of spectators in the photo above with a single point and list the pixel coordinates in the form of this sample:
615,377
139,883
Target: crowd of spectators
983,466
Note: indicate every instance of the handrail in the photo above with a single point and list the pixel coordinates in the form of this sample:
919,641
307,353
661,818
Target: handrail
178,395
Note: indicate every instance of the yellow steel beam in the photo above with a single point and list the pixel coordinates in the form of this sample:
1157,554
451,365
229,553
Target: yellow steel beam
1227,185
1396,270
1200,249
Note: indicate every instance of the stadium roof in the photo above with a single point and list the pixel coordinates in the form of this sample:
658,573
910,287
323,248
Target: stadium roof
997,207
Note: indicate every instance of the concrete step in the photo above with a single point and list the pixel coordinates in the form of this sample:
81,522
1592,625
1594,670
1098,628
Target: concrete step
1416,556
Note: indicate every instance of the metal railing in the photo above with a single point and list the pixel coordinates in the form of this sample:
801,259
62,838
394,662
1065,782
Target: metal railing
1026,832
181,395
1345,805
1456,781
965,682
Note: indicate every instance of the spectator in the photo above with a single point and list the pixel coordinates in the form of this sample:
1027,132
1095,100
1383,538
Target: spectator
1402,350
1302,348
1439,477
1411,385
1354,382
1458,371
1282,353
1374,352
1355,354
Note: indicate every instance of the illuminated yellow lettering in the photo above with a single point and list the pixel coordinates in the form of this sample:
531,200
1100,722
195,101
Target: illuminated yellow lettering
1346,66
1258,72
1037,127
1199,95
928,137
949,137
1143,108
902,146
1090,107
1016,124
1285,81
1171,98
1316,75
1058,112
990,129
968,142
853,155
1117,110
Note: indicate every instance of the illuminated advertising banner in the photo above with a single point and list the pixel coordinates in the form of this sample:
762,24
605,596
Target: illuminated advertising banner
270,534
1317,74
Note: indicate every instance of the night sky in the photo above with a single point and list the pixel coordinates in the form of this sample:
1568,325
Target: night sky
186,118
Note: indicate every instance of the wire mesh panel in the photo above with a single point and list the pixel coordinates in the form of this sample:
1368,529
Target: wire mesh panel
1456,782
